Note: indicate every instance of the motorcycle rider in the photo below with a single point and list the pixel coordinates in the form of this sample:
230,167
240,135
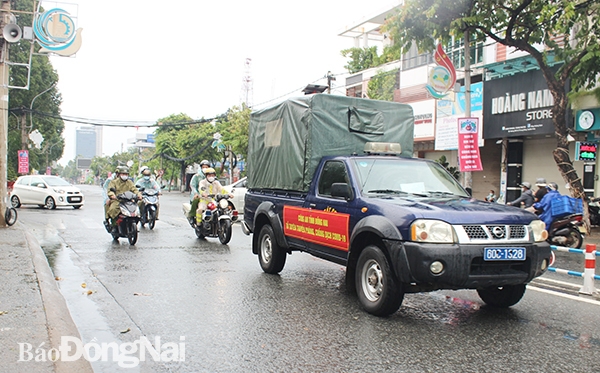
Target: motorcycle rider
545,203
210,185
526,198
109,178
121,184
194,190
146,182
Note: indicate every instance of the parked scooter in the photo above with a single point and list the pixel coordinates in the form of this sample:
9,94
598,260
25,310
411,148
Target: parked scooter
149,207
565,231
594,210
127,219
216,219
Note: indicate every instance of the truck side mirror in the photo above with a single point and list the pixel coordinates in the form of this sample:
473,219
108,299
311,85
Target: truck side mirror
341,190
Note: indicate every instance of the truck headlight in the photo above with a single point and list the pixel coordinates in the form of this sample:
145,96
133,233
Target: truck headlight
538,228
434,231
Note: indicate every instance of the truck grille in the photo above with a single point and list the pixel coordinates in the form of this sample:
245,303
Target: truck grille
495,233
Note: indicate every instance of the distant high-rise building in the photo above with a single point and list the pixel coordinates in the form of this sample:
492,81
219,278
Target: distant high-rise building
88,142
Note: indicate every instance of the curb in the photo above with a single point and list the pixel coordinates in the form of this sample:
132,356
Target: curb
58,317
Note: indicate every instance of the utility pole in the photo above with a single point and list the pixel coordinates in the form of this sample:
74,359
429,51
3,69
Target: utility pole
330,78
5,7
467,176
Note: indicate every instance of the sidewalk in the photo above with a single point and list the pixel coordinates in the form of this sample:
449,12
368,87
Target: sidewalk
33,312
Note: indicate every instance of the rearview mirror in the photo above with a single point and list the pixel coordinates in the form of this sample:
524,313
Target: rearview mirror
341,190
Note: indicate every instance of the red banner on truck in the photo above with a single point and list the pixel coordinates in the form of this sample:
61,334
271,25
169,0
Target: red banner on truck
321,227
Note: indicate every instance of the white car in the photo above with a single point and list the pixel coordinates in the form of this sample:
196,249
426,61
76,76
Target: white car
45,191
238,189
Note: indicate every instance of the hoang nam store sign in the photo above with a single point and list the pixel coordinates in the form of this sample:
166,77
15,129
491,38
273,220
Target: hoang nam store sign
518,105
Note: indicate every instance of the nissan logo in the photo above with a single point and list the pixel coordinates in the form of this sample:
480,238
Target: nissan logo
498,232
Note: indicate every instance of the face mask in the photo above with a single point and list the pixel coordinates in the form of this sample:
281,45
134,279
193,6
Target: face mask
210,179
124,177
202,171
146,177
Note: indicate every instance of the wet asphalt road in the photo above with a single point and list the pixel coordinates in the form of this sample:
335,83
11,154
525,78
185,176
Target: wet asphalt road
216,302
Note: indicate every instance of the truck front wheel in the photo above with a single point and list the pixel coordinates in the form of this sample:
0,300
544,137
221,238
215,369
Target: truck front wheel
503,296
377,290
270,255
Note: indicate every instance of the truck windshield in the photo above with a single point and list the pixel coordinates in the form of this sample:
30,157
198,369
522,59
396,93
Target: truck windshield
401,176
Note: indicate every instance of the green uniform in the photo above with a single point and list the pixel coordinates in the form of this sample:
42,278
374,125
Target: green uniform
121,187
194,182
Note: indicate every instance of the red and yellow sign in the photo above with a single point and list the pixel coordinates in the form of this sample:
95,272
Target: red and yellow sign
321,227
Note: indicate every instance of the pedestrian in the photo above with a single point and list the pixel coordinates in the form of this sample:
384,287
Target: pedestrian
491,197
526,198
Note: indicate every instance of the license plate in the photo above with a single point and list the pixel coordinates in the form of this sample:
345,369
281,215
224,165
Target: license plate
504,253
75,199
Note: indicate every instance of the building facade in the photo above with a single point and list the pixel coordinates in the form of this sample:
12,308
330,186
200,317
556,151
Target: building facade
510,98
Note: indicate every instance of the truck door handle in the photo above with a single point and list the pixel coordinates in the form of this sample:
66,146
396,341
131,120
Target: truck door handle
312,205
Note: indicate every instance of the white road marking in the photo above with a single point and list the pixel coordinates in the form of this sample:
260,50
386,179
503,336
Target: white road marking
567,296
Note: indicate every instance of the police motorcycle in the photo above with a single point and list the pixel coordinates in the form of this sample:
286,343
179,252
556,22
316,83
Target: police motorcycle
566,231
149,206
217,219
128,217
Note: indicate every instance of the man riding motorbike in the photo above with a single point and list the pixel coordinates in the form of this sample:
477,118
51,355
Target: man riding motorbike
194,191
146,182
118,185
206,187
545,203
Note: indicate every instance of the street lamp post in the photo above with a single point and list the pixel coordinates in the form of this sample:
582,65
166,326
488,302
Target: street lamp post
32,101
47,151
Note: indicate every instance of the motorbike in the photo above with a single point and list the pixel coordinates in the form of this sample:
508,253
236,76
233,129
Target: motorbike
594,210
565,231
127,219
149,207
216,219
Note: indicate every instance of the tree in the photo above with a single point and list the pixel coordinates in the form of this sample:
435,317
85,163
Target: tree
444,163
382,85
22,122
360,58
235,130
569,31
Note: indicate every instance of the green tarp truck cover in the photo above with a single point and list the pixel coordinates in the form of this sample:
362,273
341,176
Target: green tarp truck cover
287,141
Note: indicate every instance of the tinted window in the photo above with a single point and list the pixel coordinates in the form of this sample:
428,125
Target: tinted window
333,172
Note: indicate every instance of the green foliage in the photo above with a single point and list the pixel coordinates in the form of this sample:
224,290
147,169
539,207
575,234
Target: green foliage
43,76
70,171
453,170
382,85
360,58
235,129
366,58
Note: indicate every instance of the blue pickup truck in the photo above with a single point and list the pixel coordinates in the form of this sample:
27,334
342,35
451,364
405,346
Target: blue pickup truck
398,224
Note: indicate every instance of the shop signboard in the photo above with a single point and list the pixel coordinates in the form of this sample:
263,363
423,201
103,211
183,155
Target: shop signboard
518,105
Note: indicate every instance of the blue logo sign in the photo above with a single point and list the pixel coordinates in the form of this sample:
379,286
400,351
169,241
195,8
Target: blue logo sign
54,29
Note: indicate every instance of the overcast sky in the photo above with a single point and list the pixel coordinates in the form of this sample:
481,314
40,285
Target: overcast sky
144,60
